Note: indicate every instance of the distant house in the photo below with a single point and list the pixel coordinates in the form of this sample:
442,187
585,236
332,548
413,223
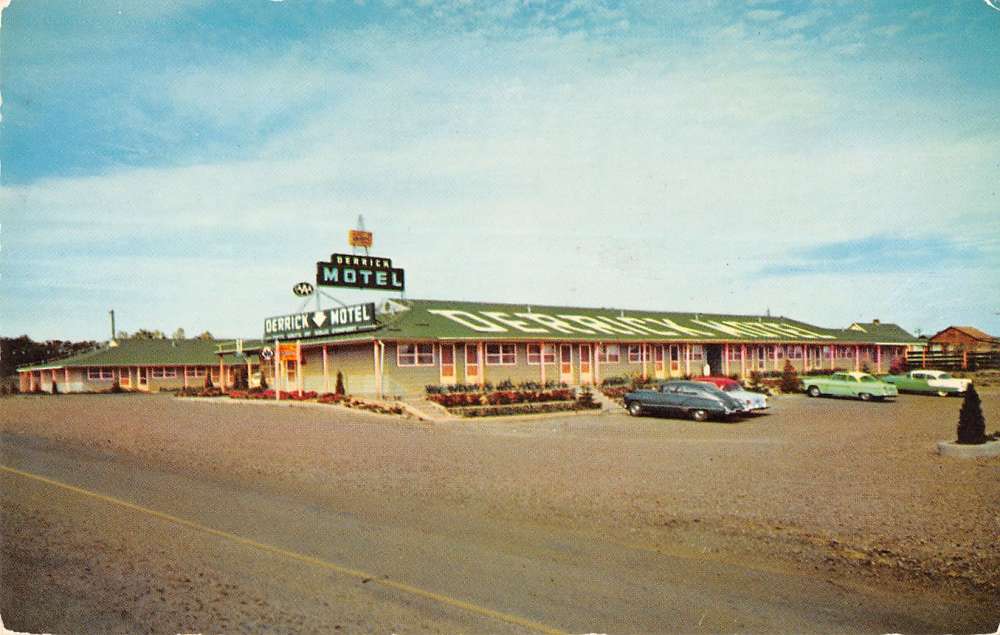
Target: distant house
146,365
963,339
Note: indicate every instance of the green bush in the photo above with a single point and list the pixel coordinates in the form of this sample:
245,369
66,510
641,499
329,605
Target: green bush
789,378
339,388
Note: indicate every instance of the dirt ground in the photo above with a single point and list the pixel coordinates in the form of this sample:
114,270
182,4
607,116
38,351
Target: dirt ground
852,489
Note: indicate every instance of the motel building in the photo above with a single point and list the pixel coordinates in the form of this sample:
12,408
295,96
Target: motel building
399,347
138,366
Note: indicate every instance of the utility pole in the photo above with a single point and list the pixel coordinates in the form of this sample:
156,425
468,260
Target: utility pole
112,312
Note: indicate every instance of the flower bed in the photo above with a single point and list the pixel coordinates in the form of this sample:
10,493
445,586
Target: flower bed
311,396
501,397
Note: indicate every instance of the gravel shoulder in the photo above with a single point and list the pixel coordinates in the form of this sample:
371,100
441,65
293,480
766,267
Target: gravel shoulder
838,488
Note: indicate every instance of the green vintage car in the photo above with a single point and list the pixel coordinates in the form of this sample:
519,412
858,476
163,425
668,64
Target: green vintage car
935,382
859,385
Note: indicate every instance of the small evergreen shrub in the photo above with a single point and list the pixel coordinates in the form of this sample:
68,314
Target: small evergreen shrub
789,378
971,423
339,388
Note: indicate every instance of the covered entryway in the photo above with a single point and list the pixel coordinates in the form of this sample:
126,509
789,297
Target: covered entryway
713,355
586,364
447,364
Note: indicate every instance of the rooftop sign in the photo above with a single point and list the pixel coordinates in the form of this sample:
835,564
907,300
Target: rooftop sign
359,272
349,319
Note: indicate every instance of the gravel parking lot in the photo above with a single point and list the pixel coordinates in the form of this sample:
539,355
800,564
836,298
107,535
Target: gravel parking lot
853,489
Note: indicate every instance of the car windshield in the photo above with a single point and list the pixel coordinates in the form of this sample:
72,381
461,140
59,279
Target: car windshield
944,376
868,378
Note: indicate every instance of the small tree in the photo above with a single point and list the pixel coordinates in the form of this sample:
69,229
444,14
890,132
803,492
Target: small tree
339,389
971,423
789,378
208,378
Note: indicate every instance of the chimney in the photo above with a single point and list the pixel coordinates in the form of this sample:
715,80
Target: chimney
875,322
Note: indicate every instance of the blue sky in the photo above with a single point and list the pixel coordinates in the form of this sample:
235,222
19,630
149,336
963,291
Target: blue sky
185,163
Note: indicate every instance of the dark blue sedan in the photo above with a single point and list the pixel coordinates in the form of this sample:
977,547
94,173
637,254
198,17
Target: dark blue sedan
688,398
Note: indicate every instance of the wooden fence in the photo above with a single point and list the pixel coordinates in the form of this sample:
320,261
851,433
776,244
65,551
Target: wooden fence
940,360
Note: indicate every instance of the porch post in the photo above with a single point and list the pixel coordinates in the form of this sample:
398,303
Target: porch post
965,359
222,374
725,358
249,372
857,357
597,363
326,371
833,356
185,376
878,358
482,363
743,360
541,361
923,357
687,359
644,355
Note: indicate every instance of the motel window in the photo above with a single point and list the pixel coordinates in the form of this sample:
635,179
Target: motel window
100,374
634,353
536,350
779,351
609,353
697,352
415,355
160,372
795,352
290,369
501,354
195,371
734,353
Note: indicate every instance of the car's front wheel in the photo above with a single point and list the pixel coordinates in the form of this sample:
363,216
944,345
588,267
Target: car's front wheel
813,391
864,397
699,414
634,409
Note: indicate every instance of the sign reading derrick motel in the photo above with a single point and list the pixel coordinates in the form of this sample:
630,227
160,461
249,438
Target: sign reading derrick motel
359,272
348,319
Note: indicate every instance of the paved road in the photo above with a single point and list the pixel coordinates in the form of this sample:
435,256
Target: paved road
166,552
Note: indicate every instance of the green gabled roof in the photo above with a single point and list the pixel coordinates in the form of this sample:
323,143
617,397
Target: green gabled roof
882,332
144,353
450,320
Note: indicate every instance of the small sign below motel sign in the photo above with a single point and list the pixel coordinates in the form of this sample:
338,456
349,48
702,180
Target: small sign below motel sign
359,272
346,319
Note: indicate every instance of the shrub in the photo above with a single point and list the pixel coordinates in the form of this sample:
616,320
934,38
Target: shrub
339,388
897,366
263,380
116,387
586,399
789,378
505,385
208,379
617,380
866,367
971,423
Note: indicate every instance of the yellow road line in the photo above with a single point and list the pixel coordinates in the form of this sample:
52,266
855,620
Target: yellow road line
293,555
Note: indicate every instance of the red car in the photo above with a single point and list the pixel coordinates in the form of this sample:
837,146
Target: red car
724,383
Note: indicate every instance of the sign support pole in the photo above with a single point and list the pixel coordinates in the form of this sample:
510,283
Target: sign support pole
277,371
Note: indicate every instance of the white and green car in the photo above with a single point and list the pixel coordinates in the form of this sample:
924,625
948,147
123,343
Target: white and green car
859,385
935,382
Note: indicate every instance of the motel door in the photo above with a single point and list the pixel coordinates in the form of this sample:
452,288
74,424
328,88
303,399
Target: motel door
675,360
472,375
586,364
447,364
658,368
566,363
143,380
